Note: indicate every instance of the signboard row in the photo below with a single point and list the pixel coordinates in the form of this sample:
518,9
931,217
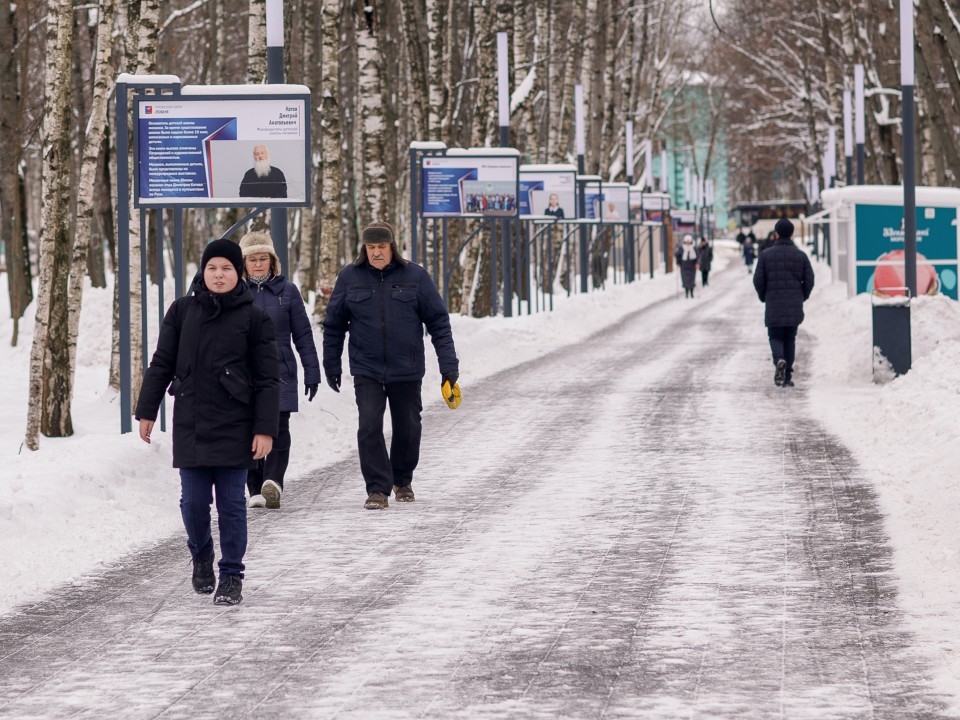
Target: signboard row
496,185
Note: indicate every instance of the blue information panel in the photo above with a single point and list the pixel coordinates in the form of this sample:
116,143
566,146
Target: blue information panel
548,193
880,256
222,150
469,185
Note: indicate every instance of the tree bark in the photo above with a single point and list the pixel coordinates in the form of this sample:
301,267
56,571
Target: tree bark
257,42
13,229
93,142
331,217
49,409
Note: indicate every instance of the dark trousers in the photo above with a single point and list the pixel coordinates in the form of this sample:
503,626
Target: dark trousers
273,466
197,488
783,345
380,470
704,276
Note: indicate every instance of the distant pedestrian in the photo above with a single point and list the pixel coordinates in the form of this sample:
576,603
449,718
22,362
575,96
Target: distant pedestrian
749,254
705,259
281,300
784,280
218,356
687,260
384,301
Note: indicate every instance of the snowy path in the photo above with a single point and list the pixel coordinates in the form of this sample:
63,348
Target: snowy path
640,526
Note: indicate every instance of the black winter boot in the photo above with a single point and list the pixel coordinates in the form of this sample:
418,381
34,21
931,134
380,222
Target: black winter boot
780,373
203,577
229,591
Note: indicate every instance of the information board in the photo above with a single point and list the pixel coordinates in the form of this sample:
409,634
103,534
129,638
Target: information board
550,193
880,256
469,185
194,150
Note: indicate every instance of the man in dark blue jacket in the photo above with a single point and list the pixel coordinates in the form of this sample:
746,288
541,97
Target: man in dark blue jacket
784,280
384,301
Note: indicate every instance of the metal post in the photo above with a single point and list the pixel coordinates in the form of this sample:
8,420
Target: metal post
178,251
494,294
144,341
861,129
503,88
123,256
909,149
160,303
848,135
278,216
582,203
414,201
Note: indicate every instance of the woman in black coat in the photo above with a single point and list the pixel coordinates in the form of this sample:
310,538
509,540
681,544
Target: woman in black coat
705,258
217,354
281,300
687,260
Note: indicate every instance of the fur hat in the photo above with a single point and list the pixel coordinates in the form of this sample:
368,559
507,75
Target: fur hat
784,228
378,232
226,249
259,241
688,238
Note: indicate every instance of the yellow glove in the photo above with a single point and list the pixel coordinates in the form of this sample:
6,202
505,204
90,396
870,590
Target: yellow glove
451,395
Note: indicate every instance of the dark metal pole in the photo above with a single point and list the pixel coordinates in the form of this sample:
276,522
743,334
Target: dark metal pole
178,251
160,303
123,257
909,151
493,267
414,201
861,121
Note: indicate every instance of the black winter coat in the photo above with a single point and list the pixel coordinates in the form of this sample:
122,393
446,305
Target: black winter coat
705,257
282,302
783,279
218,355
688,268
385,311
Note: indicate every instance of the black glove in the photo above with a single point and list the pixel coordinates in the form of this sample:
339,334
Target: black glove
334,382
310,390
451,378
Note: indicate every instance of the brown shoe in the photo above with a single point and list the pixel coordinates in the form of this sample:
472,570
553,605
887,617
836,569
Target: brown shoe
403,493
376,501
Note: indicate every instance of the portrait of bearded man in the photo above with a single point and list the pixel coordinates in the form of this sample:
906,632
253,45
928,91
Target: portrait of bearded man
263,179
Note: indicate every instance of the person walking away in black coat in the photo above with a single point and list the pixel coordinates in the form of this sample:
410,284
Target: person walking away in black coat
784,280
704,258
281,300
218,356
686,256
749,254
384,301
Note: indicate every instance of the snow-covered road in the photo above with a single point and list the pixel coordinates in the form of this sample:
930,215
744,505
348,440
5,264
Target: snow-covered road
641,525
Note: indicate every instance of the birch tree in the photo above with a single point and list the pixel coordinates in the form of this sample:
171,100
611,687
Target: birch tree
49,408
93,142
373,199
13,228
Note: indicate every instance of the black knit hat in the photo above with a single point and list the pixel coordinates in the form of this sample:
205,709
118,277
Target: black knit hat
784,228
226,249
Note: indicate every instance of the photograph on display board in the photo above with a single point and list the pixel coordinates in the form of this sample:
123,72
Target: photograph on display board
198,150
469,185
614,205
548,194
489,197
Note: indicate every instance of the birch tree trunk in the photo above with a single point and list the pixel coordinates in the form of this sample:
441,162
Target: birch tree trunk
309,227
257,42
93,141
331,217
373,191
49,408
414,21
13,229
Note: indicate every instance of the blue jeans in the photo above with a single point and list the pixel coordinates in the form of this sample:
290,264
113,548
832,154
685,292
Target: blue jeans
197,486
783,345
381,471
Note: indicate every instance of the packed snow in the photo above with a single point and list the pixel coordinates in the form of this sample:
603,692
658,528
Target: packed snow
81,503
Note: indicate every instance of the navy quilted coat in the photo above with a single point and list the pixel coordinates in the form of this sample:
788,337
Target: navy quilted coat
783,279
282,302
385,312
